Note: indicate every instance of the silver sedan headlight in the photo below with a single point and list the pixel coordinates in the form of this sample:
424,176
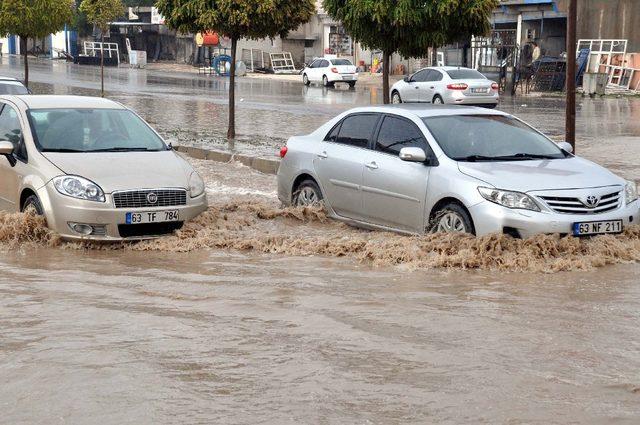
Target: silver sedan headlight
509,199
630,192
79,188
196,185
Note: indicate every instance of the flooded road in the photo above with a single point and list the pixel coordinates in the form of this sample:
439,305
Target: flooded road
136,338
255,314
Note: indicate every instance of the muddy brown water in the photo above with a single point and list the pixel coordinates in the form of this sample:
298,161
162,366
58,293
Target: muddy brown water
255,314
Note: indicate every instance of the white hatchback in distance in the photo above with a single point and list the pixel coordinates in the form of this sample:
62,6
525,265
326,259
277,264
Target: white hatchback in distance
329,71
416,169
93,168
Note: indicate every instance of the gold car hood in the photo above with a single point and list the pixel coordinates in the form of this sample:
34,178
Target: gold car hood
115,171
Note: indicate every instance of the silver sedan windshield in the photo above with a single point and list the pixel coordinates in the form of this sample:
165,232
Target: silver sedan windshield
490,138
92,130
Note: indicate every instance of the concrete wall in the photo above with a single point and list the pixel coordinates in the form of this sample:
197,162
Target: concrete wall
618,19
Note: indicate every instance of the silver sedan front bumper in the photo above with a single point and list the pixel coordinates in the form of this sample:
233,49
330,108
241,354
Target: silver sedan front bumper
493,218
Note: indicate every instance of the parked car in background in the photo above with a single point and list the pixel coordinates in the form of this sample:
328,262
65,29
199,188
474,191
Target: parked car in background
93,168
417,169
447,85
10,85
329,71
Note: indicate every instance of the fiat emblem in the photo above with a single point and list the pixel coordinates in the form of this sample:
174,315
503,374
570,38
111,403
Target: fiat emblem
152,197
592,201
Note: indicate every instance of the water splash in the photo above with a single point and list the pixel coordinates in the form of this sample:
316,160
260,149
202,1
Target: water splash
257,225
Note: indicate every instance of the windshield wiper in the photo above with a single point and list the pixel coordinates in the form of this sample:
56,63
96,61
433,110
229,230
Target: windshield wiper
61,150
534,156
474,158
516,157
122,149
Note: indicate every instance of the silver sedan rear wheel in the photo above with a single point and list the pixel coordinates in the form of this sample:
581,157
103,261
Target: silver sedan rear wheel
308,194
437,100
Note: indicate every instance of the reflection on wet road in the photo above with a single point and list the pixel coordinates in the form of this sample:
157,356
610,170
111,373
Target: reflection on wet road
258,334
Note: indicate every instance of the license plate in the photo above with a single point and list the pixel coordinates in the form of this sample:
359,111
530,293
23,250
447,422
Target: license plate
597,228
479,90
152,217
347,77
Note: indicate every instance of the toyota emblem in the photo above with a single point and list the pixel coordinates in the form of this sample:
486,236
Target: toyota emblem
152,197
592,201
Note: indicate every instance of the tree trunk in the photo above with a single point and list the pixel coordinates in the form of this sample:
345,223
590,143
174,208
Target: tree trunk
231,132
434,59
23,46
102,62
386,66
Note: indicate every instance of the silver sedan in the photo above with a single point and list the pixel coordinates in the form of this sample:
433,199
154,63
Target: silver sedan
416,169
447,85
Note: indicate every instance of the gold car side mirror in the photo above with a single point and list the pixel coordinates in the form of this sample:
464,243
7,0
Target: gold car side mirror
6,149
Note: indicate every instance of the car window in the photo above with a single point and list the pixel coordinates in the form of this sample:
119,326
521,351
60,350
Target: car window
420,76
11,130
324,64
91,130
313,64
356,130
465,74
489,137
434,75
397,133
341,62
333,134
13,87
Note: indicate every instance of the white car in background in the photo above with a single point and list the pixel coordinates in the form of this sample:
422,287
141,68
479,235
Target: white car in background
447,85
329,71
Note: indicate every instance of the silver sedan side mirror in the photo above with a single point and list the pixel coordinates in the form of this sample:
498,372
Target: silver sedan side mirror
6,147
413,154
565,147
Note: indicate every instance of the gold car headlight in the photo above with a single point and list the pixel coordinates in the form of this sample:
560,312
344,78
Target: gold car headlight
196,185
79,188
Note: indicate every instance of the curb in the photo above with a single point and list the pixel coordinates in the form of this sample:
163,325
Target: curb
263,165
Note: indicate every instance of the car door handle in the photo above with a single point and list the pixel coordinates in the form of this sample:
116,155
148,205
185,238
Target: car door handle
323,155
432,87
372,165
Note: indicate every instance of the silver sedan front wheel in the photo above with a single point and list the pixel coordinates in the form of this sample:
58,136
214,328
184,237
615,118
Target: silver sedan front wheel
450,222
395,98
451,218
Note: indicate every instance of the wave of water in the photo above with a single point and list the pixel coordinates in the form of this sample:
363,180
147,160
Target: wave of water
251,224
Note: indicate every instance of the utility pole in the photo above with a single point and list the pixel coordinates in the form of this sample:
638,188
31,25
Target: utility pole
570,132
